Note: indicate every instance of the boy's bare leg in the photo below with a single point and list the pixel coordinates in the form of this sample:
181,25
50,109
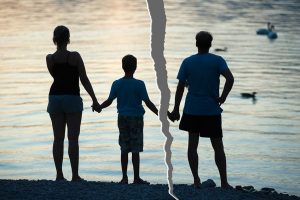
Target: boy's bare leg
136,165
220,160
124,164
136,169
193,157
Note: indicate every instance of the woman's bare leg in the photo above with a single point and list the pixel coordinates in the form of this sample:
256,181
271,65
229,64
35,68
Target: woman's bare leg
73,123
59,127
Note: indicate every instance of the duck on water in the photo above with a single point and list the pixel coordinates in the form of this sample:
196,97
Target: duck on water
221,49
248,95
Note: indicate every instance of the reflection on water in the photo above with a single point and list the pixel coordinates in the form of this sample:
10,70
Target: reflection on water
261,139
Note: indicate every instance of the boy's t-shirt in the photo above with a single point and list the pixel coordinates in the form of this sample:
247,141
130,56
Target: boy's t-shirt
202,74
130,93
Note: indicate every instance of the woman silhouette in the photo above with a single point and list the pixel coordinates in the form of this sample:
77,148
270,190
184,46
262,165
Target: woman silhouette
65,104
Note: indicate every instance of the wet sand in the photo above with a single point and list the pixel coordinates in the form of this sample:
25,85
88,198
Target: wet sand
46,189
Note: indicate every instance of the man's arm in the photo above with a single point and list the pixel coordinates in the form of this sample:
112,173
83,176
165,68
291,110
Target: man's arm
175,115
151,106
228,85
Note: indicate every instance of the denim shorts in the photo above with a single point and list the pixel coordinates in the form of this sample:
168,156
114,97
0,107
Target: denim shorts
131,133
64,104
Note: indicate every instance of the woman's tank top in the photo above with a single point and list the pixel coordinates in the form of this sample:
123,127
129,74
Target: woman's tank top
66,79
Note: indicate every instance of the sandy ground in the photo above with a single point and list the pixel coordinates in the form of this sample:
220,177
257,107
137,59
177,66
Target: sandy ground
45,189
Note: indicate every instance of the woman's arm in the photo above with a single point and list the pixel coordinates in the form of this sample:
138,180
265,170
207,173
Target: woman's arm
85,81
49,62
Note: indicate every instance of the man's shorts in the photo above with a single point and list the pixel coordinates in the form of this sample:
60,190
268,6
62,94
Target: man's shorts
206,126
64,104
131,133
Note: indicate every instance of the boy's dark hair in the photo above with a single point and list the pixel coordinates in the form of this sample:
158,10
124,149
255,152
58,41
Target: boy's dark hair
129,63
61,35
203,40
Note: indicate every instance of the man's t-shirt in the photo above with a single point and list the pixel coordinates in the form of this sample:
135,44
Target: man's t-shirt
202,74
130,93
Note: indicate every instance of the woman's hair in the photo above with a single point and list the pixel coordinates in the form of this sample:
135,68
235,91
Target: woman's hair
203,40
129,63
61,35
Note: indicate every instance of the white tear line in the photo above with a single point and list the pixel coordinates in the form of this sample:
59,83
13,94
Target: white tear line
158,27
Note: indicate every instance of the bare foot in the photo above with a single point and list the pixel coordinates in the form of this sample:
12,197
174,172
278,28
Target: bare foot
140,181
60,179
226,186
78,179
197,183
124,180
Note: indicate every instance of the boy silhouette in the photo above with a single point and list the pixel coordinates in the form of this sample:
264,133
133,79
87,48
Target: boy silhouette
130,93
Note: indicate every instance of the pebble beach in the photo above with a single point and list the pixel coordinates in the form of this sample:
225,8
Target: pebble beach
47,189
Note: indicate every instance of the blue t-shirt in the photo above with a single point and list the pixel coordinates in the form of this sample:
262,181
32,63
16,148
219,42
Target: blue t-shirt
130,93
202,74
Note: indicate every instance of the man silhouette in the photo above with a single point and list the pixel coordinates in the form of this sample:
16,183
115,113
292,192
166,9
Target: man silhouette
202,111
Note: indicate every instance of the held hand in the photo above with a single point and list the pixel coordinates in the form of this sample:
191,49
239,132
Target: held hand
174,115
170,117
96,107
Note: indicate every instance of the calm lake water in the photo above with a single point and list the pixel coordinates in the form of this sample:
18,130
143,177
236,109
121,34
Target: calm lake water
262,138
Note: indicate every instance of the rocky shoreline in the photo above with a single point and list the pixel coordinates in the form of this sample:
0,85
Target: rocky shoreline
46,189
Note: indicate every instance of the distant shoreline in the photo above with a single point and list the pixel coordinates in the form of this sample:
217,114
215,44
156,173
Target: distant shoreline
46,189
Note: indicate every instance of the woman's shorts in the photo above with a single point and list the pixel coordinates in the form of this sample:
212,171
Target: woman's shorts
206,126
64,104
131,133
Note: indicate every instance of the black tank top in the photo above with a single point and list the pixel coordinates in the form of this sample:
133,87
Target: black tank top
66,79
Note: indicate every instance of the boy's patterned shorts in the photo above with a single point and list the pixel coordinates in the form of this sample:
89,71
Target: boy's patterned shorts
131,133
